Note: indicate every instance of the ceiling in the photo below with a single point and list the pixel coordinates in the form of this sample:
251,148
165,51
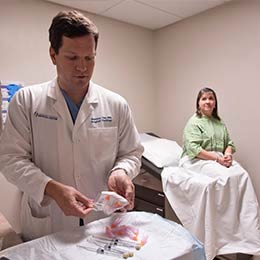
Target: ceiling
151,14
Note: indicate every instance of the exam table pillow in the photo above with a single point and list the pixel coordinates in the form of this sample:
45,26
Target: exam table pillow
161,152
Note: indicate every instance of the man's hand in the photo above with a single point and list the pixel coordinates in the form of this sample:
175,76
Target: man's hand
120,183
71,201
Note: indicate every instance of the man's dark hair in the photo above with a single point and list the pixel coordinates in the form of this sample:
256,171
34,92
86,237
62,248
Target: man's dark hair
70,24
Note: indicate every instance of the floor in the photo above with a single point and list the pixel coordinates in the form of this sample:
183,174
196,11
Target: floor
236,257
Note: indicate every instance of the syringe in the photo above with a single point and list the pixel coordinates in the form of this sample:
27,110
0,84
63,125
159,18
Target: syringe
111,247
102,251
117,242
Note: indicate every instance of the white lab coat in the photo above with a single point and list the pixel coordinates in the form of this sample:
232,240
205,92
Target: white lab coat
40,143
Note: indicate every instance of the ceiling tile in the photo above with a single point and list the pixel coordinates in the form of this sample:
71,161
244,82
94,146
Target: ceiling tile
137,13
92,6
151,14
182,8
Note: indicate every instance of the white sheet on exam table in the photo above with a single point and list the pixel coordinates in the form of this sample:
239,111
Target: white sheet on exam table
166,240
216,204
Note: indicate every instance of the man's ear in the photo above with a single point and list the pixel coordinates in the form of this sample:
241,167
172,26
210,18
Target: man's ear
52,55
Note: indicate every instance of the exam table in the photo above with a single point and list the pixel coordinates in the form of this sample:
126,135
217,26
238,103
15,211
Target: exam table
216,204
149,194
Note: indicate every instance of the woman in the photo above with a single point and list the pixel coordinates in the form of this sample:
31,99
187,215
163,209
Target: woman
210,192
205,135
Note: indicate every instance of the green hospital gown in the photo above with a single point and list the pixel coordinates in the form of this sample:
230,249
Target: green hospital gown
205,133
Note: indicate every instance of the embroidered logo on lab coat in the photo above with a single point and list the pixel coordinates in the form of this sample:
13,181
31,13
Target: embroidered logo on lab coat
36,114
95,120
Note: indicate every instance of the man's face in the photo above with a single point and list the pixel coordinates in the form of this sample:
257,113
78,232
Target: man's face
75,63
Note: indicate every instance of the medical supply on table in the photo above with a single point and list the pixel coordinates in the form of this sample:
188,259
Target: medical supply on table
116,230
167,240
110,246
117,242
102,251
109,202
115,247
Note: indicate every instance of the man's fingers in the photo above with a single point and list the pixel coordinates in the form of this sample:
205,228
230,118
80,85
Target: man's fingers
84,201
83,205
120,183
130,196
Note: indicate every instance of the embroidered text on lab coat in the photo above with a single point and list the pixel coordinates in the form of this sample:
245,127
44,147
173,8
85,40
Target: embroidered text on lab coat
51,117
95,120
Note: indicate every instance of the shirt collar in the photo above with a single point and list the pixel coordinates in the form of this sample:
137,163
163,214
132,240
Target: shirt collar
55,92
91,96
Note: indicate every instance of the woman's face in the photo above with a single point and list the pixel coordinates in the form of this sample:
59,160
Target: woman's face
207,103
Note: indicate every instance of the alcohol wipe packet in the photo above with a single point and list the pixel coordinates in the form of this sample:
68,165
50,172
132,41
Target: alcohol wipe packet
109,202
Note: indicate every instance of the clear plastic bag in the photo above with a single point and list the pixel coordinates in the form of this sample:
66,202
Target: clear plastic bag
109,202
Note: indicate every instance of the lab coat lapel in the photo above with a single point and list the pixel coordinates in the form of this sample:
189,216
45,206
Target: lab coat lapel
59,103
84,113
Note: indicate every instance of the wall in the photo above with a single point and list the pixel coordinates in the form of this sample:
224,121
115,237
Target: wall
219,48
24,57
24,54
1,126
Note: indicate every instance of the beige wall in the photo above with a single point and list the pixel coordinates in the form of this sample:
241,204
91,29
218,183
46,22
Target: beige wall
0,111
24,54
220,48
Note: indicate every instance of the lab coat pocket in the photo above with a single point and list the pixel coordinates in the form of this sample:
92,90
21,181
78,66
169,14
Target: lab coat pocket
103,143
32,225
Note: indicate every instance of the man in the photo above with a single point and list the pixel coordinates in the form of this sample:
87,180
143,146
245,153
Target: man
68,139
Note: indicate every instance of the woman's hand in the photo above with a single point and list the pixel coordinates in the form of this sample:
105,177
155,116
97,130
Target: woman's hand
226,160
